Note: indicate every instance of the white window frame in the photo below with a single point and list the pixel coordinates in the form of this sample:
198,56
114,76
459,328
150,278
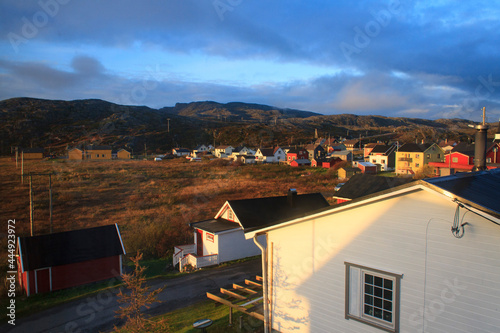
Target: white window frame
355,296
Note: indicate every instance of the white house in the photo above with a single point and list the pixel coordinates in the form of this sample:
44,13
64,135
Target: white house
420,257
384,156
223,151
270,155
201,149
222,238
180,152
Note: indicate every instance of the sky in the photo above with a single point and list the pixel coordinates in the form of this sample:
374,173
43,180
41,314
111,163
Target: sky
419,59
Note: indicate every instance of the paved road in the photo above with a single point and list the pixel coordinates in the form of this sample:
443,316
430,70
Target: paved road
96,313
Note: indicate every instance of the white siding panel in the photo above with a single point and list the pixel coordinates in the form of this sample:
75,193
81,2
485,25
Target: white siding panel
448,284
233,245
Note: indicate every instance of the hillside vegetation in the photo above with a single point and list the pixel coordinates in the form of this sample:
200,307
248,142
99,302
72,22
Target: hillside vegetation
56,125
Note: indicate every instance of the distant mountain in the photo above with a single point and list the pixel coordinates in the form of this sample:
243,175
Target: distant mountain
235,111
31,122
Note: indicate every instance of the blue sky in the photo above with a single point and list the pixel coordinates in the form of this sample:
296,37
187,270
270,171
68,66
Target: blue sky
436,59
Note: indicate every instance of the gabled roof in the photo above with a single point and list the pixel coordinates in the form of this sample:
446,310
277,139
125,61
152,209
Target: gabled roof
215,225
362,184
267,151
295,150
366,164
383,149
119,150
258,212
372,145
223,147
75,148
414,147
341,152
302,161
69,247
92,147
479,190
182,150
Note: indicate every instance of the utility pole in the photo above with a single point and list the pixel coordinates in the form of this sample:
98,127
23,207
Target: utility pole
50,203
168,125
17,154
31,205
22,167
145,152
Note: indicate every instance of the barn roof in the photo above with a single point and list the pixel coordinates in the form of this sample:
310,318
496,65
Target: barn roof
70,247
259,212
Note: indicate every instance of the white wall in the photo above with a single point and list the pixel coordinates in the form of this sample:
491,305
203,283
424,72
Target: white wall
233,245
448,284
208,246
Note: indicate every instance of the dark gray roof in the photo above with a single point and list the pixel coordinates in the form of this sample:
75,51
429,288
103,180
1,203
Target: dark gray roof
69,247
362,184
414,147
479,189
259,212
215,225
383,149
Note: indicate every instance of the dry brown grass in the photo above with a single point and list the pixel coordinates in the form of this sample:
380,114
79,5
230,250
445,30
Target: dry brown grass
152,202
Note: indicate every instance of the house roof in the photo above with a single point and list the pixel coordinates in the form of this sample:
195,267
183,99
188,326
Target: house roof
75,148
223,147
295,150
302,161
123,150
479,190
350,142
33,150
92,147
414,147
182,150
341,152
372,145
366,164
362,184
215,225
267,151
383,149
70,247
259,212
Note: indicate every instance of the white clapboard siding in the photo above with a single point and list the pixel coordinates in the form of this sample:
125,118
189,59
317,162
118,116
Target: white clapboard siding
408,235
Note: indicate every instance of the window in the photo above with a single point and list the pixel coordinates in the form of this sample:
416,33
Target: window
455,159
230,215
372,297
488,160
210,237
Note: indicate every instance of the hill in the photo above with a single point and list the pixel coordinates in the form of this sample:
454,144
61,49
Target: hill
57,124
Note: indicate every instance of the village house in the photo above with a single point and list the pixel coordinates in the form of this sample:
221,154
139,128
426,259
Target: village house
352,144
248,159
315,151
97,152
67,259
180,152
300,162
365,167
223,151
32,153
75,154
461,159
201,149
317,162
345,155
347,172
384,156
123,154
296,154
367,149
411,157
270,155
222,238
241,151
447,146
420,257
330,162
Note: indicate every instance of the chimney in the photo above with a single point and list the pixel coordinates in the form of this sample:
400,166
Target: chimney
291,197
480,145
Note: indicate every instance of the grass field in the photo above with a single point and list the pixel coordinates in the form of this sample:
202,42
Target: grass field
152,202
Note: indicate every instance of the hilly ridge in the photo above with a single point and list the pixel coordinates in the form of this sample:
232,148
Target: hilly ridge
60,124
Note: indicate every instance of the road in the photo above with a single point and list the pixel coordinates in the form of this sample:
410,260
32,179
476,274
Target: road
97,312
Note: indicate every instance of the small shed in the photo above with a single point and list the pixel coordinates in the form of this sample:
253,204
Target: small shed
123,154
75,154
69,259
348,172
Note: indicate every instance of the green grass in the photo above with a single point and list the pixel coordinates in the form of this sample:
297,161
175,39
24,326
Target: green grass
181,321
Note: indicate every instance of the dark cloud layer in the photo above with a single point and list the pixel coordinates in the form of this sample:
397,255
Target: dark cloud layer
391,57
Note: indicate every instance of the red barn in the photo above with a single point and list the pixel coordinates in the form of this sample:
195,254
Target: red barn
68,259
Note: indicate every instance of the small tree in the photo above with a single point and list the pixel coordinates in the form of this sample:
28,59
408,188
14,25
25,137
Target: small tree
136,297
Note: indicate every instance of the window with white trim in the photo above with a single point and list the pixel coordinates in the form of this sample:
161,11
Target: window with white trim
372,297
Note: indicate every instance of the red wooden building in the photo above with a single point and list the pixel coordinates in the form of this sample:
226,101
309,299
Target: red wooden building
68,259
296,154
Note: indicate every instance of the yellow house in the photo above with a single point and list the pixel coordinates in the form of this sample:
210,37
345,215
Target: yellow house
33,153
75,154
347,172
98,153
123,154
412,157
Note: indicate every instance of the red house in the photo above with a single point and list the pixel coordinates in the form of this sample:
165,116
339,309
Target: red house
296,154
330,162
68,259
300,162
